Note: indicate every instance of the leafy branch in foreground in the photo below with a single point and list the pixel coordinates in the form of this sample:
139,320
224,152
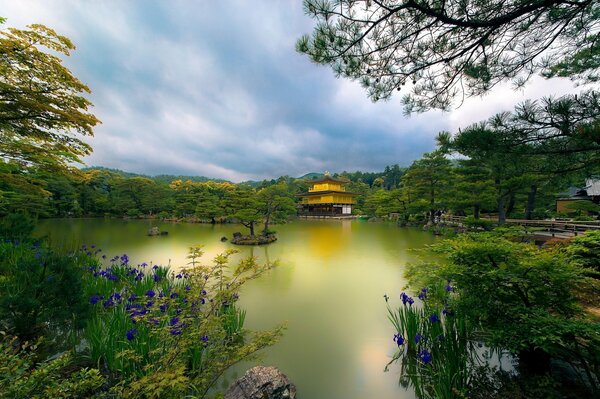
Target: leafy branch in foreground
444,51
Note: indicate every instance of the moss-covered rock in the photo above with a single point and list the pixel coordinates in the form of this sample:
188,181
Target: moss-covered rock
253,240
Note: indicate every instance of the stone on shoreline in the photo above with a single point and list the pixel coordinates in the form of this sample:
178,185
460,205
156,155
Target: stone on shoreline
262,382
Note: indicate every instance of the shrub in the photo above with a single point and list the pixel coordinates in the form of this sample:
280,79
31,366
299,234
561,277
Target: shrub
585,250
41,290
522,296
133,212
21,376
583,218
476,224
16,226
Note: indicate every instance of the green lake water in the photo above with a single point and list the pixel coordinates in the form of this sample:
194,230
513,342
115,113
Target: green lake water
329,287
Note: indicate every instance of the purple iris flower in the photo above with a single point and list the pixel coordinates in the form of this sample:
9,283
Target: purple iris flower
131,334
94,299
399,339
418,338
425,356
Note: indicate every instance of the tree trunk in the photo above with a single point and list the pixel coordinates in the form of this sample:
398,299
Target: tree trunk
251,227
511,204
476,210
267,221
431,203
501,210
500,202
530,202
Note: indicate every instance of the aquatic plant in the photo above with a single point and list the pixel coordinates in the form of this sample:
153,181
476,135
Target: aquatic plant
438,355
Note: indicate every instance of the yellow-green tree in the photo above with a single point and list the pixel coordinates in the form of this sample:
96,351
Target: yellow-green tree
43,111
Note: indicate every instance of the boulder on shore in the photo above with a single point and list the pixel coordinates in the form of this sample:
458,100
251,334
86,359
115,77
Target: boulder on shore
262,382
223,239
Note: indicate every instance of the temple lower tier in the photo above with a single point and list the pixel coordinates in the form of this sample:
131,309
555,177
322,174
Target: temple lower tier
325,210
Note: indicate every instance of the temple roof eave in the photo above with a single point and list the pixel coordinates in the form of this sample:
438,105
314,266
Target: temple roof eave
327,179
311,193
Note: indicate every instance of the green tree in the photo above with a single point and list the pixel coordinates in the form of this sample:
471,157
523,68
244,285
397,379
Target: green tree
275,203
208,207
245,208
473,187
43,111
133,196
509,172
21,192
565,130
429,178
448,50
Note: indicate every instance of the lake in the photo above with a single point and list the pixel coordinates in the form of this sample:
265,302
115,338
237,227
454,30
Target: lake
329,287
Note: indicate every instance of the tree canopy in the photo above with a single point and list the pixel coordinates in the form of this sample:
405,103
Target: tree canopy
43,110
446,51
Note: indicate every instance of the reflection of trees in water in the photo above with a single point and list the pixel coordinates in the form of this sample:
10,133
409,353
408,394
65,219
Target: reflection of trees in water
277,281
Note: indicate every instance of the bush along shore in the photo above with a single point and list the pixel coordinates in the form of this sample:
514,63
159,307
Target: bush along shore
80,324
496,300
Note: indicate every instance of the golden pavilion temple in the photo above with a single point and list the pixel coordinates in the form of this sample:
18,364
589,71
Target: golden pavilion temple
326,197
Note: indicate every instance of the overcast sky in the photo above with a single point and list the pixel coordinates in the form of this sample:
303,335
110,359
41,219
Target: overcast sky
216,88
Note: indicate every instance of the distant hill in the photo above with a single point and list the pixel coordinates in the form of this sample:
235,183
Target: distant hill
164,179
311,176
196,179
115,171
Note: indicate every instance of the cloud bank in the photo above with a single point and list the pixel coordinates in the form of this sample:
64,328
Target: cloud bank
216,88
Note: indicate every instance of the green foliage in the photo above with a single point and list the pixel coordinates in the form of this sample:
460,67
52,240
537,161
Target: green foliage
16,226
43,105
521,296
275,204
41,290
584,250
436,349
582,64
483,224
436,53
429,179
168,335
21,376
579,207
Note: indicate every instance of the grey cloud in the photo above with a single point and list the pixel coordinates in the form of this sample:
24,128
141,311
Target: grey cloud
216,88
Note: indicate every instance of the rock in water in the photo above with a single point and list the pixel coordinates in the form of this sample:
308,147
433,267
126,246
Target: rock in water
223,239
262,383
155,231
